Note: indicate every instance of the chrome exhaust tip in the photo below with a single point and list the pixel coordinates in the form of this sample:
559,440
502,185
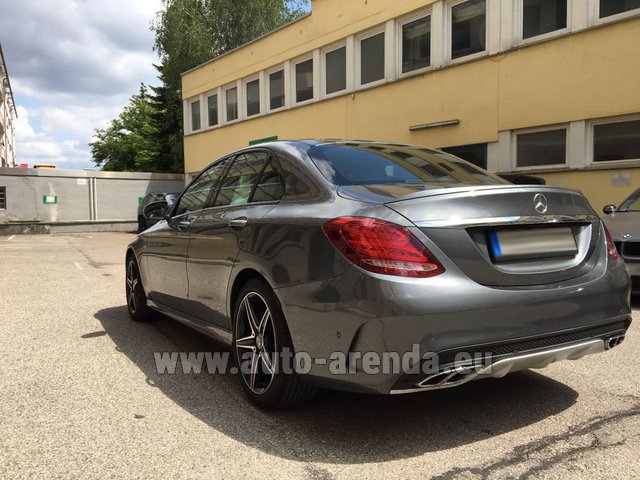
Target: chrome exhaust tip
614,341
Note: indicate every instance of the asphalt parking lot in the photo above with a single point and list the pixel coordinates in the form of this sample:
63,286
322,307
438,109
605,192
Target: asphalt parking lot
80,397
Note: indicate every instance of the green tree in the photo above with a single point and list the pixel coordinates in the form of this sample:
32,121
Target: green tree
166,119
127,144
190,32
147,135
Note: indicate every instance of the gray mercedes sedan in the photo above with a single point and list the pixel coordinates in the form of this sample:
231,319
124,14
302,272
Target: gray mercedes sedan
380,268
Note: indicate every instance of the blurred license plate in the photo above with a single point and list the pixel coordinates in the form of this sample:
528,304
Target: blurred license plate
532,243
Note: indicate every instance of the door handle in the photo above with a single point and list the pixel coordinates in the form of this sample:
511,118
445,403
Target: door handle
238,223
184,224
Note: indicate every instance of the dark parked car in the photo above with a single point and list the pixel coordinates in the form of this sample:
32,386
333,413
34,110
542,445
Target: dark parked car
624,224
518,179
153,207
370,250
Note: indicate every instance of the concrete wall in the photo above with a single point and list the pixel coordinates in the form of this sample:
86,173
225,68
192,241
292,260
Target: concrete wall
82,196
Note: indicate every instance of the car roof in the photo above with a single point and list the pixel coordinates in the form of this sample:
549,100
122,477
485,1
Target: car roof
306,144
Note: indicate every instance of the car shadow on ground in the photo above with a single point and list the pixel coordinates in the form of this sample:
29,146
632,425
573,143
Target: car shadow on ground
338,427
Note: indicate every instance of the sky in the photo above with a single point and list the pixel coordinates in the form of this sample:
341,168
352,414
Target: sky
73,65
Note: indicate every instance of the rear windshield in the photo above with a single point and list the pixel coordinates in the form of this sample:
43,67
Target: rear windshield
363,164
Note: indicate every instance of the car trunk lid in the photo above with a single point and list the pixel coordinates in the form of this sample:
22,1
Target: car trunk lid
508,235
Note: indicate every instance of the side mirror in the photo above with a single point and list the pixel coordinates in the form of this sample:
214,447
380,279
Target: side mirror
155,210
609,209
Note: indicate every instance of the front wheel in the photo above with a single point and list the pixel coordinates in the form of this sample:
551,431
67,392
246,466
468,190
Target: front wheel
141,225
263,350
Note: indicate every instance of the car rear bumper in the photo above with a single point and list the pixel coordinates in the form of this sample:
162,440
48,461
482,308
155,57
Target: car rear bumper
508,364
511,357
360,313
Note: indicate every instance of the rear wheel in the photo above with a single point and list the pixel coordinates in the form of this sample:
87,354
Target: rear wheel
136,299
260,336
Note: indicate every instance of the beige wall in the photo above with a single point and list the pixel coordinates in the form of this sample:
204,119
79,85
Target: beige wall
591,73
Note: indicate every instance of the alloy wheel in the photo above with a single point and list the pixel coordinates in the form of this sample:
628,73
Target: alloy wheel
132,283
255,343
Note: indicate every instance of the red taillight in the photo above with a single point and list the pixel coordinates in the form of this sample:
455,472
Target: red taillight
382,247
611,247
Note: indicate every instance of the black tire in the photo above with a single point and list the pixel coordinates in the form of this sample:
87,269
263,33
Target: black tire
285,388
141,225
137,306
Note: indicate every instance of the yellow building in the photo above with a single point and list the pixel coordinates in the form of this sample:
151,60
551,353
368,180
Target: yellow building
543,87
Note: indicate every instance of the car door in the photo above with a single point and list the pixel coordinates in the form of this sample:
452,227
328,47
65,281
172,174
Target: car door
251,188
166,245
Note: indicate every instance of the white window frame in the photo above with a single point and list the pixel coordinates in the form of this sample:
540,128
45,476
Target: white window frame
448,28
245,82
595,13
267,87
238,86
358,57
191,102
211,93
401,22
323,69
316,86
591,139
546,128
518,25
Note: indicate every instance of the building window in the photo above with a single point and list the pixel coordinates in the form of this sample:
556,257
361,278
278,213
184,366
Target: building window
547,147
336,70
3,198
543,16
195,115
232,104
304,81
253,97
276,90
608,8
212,110
616,141
468,28
416,44
372,59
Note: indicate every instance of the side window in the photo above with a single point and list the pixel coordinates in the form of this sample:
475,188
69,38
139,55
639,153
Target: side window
269,187
243,174
195,197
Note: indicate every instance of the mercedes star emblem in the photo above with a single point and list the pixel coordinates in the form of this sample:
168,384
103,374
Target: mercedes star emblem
540,203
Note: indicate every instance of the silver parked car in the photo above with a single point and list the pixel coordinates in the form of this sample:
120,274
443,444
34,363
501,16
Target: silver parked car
337,257
624,224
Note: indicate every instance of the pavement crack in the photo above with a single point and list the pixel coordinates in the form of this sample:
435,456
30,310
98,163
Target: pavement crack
544,453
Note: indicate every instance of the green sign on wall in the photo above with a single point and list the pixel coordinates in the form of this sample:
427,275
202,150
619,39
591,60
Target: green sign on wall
50,199
263,140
